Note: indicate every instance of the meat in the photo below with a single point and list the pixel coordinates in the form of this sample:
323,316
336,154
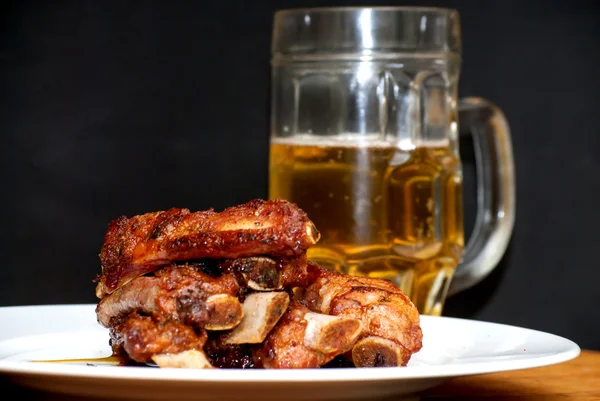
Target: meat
228,356
193,297
303,339
183,293
235,290
142,337
284,347
141,244
138,295
390,319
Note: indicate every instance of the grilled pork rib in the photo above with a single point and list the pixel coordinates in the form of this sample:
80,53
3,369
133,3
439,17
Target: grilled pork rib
390,319
235,290
182,293
141,244
187,292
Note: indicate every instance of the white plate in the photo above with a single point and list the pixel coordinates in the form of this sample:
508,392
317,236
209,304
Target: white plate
451,348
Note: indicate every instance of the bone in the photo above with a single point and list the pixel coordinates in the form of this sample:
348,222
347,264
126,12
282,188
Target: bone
262,311
260,273
378,352
331,334
192,359
225,312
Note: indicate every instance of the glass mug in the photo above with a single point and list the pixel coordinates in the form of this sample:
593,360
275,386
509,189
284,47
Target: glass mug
364,137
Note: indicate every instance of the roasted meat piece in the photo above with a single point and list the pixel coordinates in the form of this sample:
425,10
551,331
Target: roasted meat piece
141,337
367,320
391,322
182,293
141,244
303,339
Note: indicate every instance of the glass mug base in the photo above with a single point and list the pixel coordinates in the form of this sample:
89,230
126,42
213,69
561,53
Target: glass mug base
425,281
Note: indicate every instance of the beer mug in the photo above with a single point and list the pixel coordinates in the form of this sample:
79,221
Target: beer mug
365,124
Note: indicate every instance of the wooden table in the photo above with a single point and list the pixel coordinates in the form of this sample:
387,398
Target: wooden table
578,379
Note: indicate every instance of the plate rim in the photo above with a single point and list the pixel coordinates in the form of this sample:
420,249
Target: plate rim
282,376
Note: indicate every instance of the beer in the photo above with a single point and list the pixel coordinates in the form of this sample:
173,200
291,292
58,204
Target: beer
382,211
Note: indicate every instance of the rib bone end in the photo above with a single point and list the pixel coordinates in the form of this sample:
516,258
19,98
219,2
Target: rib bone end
331,334
225,312
261,274
378,352
192,359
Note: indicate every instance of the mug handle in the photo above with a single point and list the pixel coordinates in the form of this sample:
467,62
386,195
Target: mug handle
495,191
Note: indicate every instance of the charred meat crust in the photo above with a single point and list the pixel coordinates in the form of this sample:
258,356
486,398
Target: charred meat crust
141,337
178,292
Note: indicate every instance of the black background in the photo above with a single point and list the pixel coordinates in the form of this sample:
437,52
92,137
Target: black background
123,107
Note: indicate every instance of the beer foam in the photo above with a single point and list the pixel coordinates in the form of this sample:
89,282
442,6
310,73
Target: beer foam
357,140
